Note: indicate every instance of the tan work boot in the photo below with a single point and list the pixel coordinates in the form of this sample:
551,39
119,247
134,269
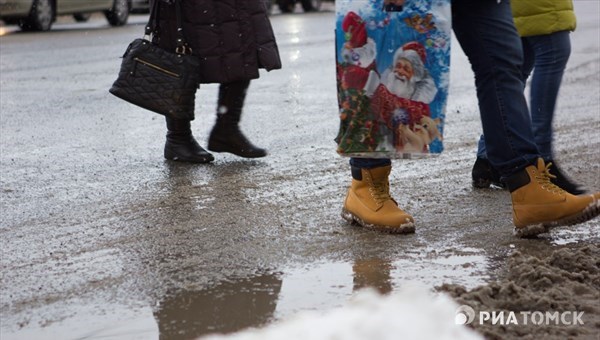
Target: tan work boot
539,205
369,204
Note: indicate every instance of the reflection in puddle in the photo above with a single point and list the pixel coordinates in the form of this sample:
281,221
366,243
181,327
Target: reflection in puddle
329,284
228,307
256,301
239,303
316,287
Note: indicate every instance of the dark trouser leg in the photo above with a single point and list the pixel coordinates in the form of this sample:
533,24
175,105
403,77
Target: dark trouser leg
550,54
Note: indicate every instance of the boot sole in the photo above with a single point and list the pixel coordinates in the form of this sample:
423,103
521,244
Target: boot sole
233,152
195,161
406,228
585,215
484,184
172,157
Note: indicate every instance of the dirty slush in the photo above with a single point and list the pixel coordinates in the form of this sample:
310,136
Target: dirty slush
561,284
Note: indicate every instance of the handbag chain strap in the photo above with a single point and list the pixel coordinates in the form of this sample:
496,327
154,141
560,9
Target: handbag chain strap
152,26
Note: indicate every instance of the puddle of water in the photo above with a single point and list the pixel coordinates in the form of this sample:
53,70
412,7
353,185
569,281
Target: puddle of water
328,285
92,322
239,303
316,287
230,306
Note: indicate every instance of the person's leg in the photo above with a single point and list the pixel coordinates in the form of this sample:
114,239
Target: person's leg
368,201
369,163
551,53
528,60
481,151
181,145
483,174
486,32
226,135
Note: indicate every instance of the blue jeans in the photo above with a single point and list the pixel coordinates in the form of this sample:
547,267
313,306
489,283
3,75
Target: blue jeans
369,163
547,56
487,35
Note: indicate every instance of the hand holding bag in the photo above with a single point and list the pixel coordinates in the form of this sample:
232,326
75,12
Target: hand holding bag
156,79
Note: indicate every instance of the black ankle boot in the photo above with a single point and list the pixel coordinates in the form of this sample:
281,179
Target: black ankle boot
181,145
229,138
226,135
562,181
484,174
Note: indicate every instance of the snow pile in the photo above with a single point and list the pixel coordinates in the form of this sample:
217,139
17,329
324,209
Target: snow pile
567,280
411,313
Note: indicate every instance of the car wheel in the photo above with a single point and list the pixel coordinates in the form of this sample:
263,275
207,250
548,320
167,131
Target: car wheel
119,13
40,18
82,17
11,21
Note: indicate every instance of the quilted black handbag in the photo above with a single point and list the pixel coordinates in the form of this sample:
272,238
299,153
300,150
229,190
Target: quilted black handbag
156,79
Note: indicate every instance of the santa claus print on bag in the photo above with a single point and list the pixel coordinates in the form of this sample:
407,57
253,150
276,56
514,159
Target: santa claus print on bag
392,76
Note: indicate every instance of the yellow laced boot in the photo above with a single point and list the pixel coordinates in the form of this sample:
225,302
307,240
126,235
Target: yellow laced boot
539,205
368,203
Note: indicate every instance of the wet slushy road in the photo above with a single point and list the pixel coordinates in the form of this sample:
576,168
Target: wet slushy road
103,238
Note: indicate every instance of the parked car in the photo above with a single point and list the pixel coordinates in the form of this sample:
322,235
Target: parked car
38,15
287,6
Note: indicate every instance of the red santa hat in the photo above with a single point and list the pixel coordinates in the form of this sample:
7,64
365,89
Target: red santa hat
415,53
355,28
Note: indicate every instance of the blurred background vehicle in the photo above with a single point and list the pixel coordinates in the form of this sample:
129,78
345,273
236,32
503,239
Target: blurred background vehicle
39,15
288,6
140,6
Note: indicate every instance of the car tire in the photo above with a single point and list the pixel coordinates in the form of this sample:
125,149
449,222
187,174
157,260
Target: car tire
12,21
82,17
40,17
118,15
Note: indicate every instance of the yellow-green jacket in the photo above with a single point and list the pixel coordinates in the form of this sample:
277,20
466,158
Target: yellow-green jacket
538,17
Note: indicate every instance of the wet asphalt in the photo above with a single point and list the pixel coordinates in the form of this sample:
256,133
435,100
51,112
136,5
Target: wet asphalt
100,236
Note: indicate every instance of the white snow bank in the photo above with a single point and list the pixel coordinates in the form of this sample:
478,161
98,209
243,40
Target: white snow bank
413,312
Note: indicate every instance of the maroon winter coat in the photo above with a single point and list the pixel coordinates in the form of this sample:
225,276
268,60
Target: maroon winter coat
233,38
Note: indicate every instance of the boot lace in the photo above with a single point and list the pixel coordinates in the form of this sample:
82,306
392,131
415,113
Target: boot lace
544,178
380,191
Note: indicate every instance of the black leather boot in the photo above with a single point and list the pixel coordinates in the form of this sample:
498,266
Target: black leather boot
484,174
226,135
563,181
181,145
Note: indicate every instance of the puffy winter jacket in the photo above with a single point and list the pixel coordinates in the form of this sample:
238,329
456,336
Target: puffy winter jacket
233,38
538,17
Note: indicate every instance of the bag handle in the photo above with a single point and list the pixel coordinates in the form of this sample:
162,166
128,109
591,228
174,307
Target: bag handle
152,26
